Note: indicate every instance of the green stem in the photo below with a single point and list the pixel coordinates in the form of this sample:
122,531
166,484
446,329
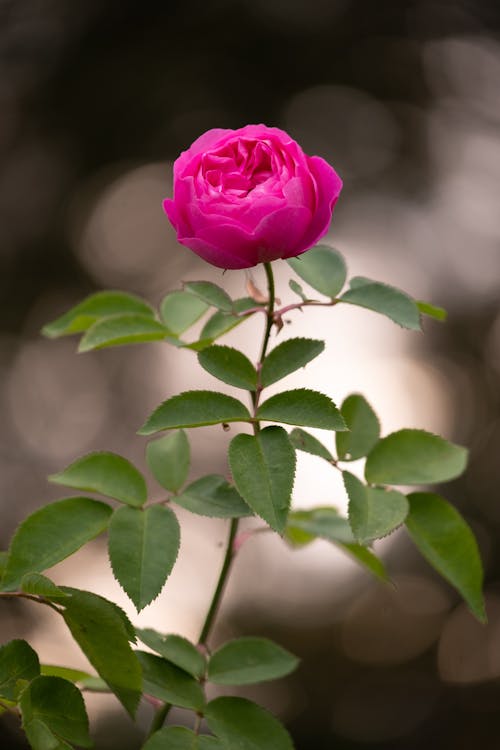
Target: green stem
159,718
270,310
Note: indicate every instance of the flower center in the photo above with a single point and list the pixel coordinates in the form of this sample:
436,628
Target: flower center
238,167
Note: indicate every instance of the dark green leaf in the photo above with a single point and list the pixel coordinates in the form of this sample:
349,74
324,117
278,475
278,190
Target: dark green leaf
384,299
59,706
213,496
168,458
168,683
321,267
448,544
242,725
303,441
287,357
297,289
438,313
122,329
364,428
302,407
229,365
263,468
414,457
195,409
245,661
210,293
180,738
35,583
18,662
3,561
373,512
180,310
176,649
220,322
106,473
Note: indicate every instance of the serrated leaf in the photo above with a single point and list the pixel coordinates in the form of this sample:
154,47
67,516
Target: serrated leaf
364,428
176,649
18,661
448,544
103,631
287,357
297,289
51,534
168,458
168,683
180,310
229,365
263,468
195,409
213,496
35,583
302,406
118,330
303,441
414,457
143,548
245,661
244,725
373,512
321,267
210,293
432,311
106,473
220,322
99,305
180,738
384,299
73,675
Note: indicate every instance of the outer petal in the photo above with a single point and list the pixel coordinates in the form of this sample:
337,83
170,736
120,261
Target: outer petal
329,186
204,143
280,233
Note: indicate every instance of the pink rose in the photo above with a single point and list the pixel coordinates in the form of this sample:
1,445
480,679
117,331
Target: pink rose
249,196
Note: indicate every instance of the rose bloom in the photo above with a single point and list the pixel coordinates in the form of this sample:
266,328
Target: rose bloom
249,196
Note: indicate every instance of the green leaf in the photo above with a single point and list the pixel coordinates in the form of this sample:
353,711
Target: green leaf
73,675
51,534
263,468
303,441
373,512
297,289
168,683
243,725
368,560
58,705
18,662
35,583
180,310
122,329
210,293
302,406
99,305
321,267
94,685
448,544
287,357
248,660
106,473
195,409
364,428
180,738
103,631
213,496
414,457
438,313
3,561
384,299
143,548
220,322
176,649
229,365
168,458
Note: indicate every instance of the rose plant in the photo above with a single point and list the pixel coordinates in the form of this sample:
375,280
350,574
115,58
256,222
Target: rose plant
241,198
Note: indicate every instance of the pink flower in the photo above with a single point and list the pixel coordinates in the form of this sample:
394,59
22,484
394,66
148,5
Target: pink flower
249,196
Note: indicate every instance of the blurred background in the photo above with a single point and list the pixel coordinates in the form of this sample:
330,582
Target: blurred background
402,97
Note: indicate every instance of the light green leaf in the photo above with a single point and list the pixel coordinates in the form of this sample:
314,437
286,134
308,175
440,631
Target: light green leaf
35,583
244,725
302,406
176,649
168,683
229,365
195,409
58,705
368,560
263,468
373,512
73,675
143,548
94,685
106,473
99,305
180,310
3,561
364,428
287,357
213,496
51,534
303,441
168,458
438,313
297,289
384,299
180,738
122,329
18,662
321,267
414,457
245,661
220,322
448,544
210,293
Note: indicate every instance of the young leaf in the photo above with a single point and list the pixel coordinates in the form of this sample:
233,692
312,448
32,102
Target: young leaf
99,305
297,289
321,267
143,548
302,406
195,409
220,322
118,330
287,357
229,365
180,738
241,724
324,523
245,661
263,467
438,313
18,662
364,428
210,293
103,631
384,299
51,534
168,683
35,583
414,457
176,649
168,458
373,512
106,473
368,560
180,310
448,544
303,441
213,496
